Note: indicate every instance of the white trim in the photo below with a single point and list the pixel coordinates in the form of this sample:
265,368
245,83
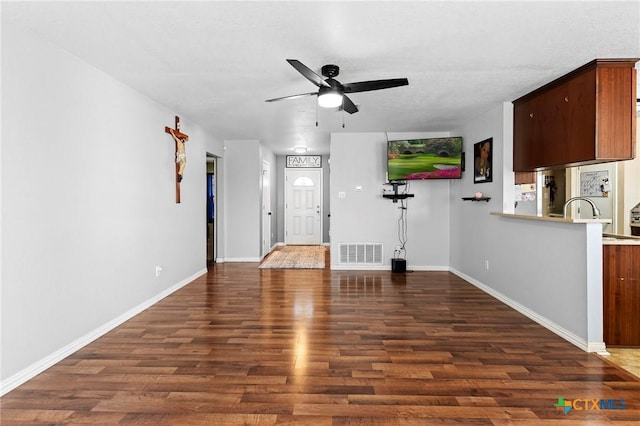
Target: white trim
368,267
428,268
242,259
57,356
352,267
543,321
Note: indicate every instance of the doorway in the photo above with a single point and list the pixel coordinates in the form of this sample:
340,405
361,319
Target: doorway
211,209
303,206
266,208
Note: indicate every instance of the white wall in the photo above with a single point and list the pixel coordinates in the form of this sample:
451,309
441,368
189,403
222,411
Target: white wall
243,180
88,204
549,271
359,159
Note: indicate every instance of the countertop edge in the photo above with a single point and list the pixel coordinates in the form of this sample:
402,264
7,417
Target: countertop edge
549,219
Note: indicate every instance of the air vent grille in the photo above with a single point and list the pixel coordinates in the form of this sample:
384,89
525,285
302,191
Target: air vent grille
360,253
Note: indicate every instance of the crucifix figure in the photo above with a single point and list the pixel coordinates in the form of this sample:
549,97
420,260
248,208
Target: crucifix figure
181,158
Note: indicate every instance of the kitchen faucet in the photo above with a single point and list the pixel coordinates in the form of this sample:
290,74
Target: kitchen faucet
596,210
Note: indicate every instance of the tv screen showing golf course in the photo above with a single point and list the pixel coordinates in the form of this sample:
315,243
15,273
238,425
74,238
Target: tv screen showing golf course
418,159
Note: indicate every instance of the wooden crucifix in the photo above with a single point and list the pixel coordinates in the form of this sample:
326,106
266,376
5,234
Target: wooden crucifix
181,158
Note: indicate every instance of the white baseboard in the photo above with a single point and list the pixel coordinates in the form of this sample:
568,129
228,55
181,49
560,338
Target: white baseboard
386,268
543,321
52,359
242,259
428,268
360,268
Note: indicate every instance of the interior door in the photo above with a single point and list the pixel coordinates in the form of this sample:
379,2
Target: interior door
303,206
266,208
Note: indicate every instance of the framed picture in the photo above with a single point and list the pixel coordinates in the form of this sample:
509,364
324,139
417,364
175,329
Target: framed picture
482,161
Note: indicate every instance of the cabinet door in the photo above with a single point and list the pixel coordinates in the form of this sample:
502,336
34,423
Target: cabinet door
554,130
621,294
582,117
615,114
527,154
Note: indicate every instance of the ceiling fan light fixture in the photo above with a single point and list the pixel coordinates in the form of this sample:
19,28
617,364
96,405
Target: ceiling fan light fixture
331,93
329,97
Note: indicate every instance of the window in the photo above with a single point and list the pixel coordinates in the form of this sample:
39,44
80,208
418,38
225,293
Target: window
303,181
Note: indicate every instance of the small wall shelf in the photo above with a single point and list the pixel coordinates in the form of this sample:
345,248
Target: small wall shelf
396,196
476,199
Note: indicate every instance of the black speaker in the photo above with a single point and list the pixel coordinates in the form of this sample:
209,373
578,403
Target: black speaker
399,265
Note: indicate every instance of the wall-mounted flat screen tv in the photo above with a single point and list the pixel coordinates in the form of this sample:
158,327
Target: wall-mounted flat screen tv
418,159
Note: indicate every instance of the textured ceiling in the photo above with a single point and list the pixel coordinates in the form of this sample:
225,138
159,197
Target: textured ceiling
217,62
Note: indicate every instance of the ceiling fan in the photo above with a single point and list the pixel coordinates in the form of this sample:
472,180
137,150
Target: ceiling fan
331,93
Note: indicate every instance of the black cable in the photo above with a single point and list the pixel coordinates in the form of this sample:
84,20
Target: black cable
403,224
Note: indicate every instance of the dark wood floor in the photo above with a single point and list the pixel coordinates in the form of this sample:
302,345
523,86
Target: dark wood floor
276,347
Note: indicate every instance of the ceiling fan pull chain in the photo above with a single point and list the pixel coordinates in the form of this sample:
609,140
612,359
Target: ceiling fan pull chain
316,114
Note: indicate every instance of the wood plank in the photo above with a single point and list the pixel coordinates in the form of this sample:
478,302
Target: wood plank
249,346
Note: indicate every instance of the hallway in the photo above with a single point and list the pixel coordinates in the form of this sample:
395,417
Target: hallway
249,346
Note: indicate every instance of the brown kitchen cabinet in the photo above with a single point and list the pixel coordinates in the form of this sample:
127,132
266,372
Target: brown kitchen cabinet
585,117
525,177
621,294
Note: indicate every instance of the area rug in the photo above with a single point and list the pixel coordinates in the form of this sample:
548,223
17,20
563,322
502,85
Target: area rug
295,257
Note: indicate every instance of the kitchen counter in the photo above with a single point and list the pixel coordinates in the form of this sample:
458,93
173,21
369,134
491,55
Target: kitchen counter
616,239
551,218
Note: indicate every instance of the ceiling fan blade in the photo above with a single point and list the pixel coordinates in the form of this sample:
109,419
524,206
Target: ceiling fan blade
365,86
348,105
292,97
309,75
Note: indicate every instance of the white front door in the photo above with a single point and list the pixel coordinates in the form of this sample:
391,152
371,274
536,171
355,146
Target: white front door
303,206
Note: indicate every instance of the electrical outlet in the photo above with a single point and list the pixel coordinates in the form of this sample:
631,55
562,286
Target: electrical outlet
486,264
